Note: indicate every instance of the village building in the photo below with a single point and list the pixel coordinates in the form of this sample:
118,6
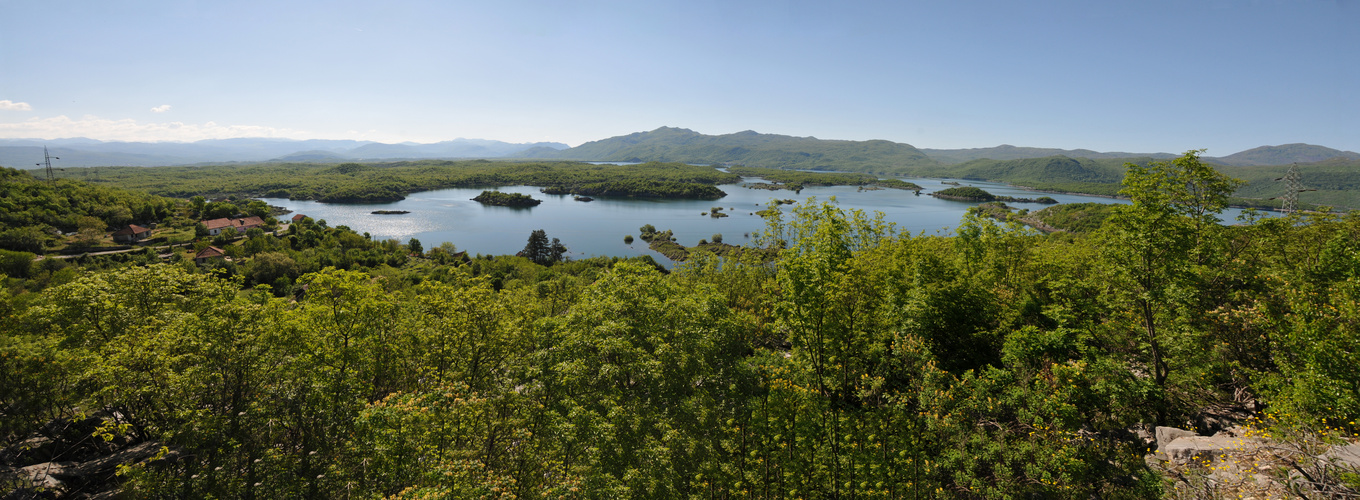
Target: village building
131,234
208,254
298,218
216,226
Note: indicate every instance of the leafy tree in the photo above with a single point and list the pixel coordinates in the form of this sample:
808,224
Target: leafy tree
269,267
220,210
225,237
26,239
15,264
1149,244
89,230
257,208
540,251
559,251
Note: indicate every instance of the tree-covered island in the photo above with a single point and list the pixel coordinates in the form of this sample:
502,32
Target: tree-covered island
500,199
795,180
969,193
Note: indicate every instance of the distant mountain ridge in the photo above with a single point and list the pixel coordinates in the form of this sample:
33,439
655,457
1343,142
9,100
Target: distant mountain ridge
1009,152
662,144
1264,155
83,152
1284,154
748,148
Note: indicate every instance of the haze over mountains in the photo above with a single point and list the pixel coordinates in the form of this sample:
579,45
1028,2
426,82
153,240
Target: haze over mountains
81,152
663,144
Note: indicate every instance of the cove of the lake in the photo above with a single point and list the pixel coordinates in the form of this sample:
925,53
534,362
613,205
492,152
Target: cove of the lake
597,228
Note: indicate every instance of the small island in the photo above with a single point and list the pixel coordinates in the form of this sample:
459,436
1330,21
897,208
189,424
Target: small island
1069,217
500,199
663,242
794,180
639,188
390,212
975,194
582,198
773,186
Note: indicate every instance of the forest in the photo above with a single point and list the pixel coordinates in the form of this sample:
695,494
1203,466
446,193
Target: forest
858,362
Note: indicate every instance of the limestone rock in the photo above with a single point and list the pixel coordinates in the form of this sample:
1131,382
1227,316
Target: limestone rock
1345,456
1165,435
45,475
107,465
1188,448
34,450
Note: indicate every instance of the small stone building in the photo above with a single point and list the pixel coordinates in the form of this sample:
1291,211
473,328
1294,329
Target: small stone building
131,234
209,253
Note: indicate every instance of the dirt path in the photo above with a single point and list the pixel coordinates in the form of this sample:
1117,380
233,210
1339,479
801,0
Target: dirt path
110,252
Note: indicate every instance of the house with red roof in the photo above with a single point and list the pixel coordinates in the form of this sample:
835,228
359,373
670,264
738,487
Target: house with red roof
209,253
131,234
216,226
298,218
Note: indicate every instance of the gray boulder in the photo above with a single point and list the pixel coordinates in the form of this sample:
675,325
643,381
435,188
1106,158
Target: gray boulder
34,450
1345,456
1165,435
45,475
1208,448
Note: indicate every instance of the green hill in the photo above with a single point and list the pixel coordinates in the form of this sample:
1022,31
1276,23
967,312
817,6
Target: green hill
1337,182
749,148
33,211
1054,173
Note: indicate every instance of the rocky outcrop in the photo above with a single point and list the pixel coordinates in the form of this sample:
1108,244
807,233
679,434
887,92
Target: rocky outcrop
66,459
1233,463
1206,448
1165,435
1346,456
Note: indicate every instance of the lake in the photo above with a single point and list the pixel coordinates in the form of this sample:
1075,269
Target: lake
597,228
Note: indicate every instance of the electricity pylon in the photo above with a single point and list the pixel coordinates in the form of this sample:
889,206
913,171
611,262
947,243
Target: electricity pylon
1293,185
47,160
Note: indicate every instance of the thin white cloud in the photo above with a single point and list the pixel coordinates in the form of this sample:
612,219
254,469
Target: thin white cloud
130,130
8,105
161,109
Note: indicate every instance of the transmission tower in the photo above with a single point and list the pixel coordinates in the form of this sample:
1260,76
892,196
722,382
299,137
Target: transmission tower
47,161
1293,185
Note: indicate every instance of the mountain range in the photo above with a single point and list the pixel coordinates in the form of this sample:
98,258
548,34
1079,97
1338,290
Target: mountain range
748,148
82,152
662,144
770,150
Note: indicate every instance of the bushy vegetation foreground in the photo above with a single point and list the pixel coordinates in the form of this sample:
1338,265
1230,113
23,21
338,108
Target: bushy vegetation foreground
861,363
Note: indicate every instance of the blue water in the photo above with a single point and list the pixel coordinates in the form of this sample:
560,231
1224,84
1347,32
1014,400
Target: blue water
597,228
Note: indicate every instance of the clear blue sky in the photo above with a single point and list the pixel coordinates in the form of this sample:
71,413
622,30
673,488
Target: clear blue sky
1140,76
